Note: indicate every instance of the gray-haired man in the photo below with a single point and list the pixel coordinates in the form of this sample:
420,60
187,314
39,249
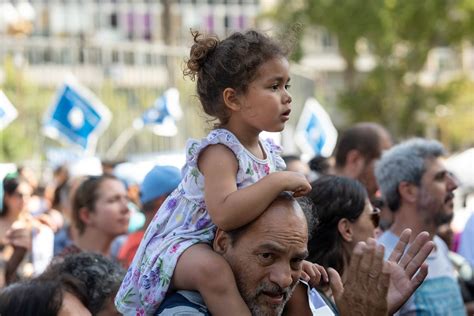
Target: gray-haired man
419,191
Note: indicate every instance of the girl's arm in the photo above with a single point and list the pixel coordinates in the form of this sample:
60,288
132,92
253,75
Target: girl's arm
230,208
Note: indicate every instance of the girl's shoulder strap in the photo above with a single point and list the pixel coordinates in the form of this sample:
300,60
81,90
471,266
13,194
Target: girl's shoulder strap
217,136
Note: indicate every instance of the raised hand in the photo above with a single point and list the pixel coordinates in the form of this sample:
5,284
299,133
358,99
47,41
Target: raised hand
365,290
403,266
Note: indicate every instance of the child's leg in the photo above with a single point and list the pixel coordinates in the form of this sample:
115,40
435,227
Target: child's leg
201,269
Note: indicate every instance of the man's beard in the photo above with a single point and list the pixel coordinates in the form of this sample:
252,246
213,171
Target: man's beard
428,203
443,218
251,298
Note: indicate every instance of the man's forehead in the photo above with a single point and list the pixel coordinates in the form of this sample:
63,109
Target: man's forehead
435,165
285,245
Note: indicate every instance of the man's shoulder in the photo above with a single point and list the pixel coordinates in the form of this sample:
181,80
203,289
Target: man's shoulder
389,240
183,303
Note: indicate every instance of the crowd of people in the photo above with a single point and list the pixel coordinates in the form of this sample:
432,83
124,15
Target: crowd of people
242,230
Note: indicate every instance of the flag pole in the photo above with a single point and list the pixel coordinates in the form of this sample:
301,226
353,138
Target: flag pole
120,142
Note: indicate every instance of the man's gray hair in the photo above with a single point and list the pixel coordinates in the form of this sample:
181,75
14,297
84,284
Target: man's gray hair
404,162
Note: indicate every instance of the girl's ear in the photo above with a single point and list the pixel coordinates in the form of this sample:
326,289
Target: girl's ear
84,215
345,229
231,100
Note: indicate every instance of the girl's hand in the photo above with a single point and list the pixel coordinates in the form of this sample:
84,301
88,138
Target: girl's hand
314,274
295,182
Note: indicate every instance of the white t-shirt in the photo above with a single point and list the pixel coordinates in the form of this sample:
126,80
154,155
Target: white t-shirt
439,294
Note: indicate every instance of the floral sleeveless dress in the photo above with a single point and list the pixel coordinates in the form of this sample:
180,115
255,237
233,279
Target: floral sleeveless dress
183,221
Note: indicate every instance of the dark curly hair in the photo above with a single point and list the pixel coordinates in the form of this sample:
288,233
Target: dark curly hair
231,63
101,276
39,296
334,198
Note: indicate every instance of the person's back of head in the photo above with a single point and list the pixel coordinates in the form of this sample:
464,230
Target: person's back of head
333,198
40,296
404,162
101,276
158,182
320,165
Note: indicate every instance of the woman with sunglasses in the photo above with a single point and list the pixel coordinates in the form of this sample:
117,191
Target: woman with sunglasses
344,216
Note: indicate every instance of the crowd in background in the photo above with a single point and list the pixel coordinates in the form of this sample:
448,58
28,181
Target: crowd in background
65,245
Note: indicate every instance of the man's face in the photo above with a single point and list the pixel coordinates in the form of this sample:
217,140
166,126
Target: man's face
435,195
267,258
367,175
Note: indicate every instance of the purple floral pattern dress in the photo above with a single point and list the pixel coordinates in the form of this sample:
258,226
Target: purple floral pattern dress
183,221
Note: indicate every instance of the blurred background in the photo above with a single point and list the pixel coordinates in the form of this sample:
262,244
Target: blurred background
408,65
126,107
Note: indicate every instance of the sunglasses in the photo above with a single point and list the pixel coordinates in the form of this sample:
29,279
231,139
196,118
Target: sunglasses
375,216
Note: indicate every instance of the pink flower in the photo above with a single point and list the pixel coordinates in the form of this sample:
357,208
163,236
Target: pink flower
267,169
174,248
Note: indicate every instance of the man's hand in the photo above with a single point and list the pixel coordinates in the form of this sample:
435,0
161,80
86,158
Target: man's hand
402,267
365,290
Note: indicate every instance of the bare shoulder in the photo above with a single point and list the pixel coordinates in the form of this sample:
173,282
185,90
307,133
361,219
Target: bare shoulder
215,156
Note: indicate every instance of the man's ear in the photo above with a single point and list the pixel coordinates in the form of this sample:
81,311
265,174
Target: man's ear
231,99
345,229
221,242
84,215
355,161
408,191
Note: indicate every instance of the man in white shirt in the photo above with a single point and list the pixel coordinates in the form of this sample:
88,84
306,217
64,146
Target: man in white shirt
419,191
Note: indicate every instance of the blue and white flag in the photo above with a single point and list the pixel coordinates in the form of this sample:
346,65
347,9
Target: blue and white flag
315,132
77,116
7,111
164,113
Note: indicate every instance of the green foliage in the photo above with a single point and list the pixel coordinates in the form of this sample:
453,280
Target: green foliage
454,118
22,138
400,36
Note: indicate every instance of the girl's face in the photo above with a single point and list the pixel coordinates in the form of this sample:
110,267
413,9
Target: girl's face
18,200
364,226
111,214
266,105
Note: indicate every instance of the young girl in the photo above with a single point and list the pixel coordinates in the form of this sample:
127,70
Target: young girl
230,177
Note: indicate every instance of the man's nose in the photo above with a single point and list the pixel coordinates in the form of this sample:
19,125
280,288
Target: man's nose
452,182
282,275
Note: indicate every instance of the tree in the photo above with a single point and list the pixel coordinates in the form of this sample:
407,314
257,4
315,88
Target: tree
400,36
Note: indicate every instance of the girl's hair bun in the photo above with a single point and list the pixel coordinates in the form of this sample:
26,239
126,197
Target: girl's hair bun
202,48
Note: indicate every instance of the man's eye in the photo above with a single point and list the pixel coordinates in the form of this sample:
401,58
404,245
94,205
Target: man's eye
275,87
266,256
288,86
